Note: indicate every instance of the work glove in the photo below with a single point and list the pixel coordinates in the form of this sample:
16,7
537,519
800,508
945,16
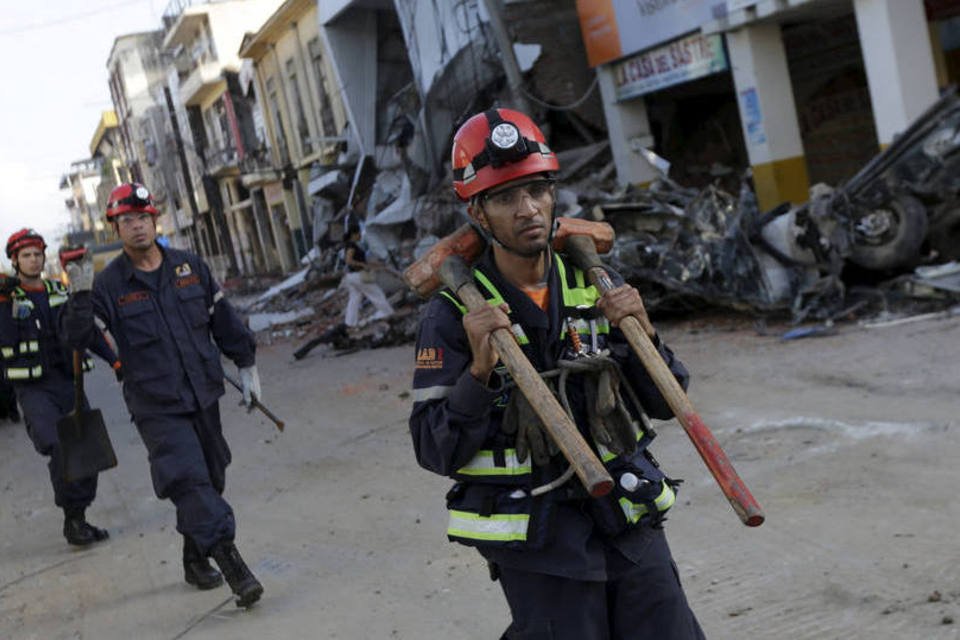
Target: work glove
609,419
249,385
521,420
8,283
80,274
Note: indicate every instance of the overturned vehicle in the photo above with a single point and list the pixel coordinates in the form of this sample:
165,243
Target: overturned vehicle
904,205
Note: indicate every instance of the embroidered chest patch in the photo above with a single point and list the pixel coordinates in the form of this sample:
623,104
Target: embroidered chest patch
135,296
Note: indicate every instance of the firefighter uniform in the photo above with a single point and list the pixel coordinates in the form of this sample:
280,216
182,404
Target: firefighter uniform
164,321
39,366
571,566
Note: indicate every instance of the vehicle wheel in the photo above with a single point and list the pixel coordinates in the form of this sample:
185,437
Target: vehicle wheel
891,235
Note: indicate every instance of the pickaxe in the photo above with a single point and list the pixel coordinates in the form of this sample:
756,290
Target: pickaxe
446,263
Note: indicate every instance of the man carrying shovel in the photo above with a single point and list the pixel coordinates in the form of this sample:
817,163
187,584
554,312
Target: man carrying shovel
37,363
572,565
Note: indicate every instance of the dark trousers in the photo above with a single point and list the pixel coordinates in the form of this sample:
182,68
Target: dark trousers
639,601
43,404
8,400
188,462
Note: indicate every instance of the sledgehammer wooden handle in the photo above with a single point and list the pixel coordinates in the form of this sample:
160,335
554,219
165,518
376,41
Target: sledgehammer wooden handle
456,275
581,251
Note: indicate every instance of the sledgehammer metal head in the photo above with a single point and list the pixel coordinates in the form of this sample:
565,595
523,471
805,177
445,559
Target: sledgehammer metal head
423,276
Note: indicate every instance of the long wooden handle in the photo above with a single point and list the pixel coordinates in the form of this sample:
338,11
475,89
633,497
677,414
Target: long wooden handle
558,424
581,250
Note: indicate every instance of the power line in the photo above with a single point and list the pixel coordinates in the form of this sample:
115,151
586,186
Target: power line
66,19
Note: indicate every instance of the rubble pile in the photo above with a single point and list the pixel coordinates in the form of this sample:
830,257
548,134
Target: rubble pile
878,248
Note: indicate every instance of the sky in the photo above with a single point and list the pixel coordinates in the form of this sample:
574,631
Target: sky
54,59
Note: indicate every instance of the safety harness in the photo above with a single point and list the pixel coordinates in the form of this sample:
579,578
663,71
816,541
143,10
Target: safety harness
617,436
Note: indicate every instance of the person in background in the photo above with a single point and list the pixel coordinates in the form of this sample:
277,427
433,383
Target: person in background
39,367
359,280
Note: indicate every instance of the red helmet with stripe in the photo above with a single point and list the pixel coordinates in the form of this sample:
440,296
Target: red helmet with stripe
130,197
24,238
497,146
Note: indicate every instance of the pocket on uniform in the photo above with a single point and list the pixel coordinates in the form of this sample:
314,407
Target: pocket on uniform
138,323
193,303
160,387
484,515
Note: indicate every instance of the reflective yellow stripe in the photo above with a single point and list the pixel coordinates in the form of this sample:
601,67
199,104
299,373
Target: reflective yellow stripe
483,464
87,364
24,373
503,527
497,299
7,352
634,511
579,296
457,303
30,346
57,299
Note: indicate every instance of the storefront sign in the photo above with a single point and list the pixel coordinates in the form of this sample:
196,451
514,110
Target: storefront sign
616,28
680,61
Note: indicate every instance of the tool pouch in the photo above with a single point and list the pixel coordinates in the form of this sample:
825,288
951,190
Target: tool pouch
646,505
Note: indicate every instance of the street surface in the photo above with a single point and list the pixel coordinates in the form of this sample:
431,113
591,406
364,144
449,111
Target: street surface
849,442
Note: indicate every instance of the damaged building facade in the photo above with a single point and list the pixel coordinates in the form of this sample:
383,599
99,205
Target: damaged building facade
801,91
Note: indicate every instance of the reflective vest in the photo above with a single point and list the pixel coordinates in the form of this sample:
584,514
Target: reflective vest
23,359
491,503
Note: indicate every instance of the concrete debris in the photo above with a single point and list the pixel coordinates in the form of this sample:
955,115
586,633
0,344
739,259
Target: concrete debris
853,252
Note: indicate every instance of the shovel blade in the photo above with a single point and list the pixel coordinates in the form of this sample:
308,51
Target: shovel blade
85,446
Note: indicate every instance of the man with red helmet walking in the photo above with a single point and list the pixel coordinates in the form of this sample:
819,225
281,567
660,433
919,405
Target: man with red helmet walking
168,317
40,369
570,565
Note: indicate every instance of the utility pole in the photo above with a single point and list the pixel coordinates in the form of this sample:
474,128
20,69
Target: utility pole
510,66
185,168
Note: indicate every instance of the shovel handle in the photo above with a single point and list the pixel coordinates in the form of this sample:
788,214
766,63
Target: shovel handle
559,425
581,250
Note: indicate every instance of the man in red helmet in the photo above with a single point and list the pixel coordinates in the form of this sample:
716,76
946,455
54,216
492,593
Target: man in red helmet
169,317
40,369
571,566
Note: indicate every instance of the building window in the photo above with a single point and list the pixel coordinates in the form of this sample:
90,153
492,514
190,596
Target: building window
299,115
327,124
278,129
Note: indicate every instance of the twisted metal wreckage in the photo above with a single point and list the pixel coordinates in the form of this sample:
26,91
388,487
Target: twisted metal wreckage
895,226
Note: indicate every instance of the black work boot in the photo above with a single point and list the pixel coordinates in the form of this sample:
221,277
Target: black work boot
79,532
196,568
243,583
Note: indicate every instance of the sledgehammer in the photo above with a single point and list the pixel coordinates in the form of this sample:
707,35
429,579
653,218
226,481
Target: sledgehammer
582,251
447,262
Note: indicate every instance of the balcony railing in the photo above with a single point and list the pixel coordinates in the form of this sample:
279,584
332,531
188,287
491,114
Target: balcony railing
220,159
175,9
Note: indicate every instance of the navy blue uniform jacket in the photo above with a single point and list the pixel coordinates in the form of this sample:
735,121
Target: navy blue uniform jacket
453,415
167,333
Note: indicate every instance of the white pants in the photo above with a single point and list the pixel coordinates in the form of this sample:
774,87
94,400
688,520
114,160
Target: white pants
358,289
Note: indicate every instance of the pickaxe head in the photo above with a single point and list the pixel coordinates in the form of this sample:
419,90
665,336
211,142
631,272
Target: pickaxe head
423,276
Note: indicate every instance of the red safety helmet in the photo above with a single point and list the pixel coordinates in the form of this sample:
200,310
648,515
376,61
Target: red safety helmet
130,196
497,146
24,238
